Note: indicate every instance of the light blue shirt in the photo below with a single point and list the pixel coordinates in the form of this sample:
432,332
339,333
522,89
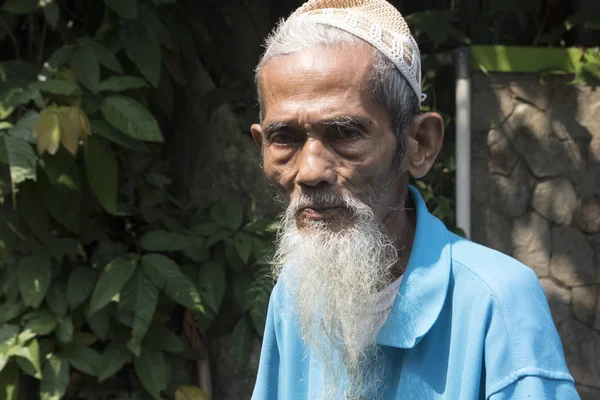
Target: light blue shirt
468,323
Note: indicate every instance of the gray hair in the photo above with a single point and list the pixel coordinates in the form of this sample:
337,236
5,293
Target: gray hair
386,83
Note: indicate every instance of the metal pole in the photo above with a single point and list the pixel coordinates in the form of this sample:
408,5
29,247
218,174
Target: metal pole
463,139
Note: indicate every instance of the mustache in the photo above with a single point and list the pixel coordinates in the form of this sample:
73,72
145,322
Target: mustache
321,199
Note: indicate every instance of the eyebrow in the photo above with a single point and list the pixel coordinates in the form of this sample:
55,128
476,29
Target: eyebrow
347,121
275,126
341,121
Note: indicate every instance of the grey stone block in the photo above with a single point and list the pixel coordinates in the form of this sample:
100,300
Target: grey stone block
559,299
531,243
582,352
583,303
556,200
572,261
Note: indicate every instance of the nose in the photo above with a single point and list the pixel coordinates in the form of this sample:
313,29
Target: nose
315,168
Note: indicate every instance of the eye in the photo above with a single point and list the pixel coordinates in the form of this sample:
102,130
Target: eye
346,133
283,138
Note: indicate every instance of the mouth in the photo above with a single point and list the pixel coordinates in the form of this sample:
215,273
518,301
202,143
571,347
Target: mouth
319,213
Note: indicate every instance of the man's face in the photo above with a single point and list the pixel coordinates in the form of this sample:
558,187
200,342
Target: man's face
323,133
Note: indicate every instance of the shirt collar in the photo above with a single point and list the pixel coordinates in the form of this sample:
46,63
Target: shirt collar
424,284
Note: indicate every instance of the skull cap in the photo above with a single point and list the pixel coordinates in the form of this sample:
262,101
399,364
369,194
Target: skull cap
378,23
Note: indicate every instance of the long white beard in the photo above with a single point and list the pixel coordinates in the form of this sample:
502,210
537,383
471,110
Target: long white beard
332,276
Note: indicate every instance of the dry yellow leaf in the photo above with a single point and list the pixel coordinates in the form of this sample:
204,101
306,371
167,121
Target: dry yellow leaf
47,131
70,128
188,392
66,74
86,128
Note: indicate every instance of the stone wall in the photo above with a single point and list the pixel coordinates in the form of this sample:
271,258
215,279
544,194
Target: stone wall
536,196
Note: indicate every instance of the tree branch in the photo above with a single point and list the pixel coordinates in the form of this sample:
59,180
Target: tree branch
12,36
40,56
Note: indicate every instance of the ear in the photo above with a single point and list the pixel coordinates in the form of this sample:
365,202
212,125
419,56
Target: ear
256,131
424,142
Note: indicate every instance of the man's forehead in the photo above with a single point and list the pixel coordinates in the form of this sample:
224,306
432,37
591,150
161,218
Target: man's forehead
341,61
316,79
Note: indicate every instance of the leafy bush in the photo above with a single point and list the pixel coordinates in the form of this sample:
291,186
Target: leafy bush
109,282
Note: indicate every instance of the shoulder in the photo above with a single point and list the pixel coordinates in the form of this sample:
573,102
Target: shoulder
520,336
488,270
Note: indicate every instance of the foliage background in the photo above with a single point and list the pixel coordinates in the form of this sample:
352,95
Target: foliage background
116,277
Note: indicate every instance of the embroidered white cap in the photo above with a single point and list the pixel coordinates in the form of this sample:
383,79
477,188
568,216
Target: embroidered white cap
376,22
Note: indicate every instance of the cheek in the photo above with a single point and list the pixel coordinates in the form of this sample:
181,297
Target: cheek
277,173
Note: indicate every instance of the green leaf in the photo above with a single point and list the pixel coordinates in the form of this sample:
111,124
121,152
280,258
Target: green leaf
85,65
116,136
55,379
32,211
102,172
103,55
261,226
167,276
198,251
145,300
121,83
9,382
111,281
23,129
37,323
21,159
10,311
84,338
205,229
114,357
62,199
99,323
240,292
64,330
163,339
243,244
20,6
84,359
57,298
130,117
228,214
143,50
34,278
55,86
52,14
8,342
241,345
160,240
31,353
58,59
212,282
125,8
80,284
231,255
152,370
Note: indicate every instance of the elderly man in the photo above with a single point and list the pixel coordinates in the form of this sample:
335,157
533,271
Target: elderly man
376,299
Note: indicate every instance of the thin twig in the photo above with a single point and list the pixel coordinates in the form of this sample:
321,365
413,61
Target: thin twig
541,30
13,38
30,38
40,56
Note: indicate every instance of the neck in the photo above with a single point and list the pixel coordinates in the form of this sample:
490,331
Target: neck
401,224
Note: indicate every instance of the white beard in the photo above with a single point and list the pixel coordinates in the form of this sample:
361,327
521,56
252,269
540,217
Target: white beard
332,276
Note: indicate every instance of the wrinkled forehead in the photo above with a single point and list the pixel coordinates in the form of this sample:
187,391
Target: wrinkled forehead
320,77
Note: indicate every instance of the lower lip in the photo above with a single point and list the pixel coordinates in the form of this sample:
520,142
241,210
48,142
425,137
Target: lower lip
314,214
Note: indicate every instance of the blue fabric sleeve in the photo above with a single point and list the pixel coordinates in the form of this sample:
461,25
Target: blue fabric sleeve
537,388
521,339
266,387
